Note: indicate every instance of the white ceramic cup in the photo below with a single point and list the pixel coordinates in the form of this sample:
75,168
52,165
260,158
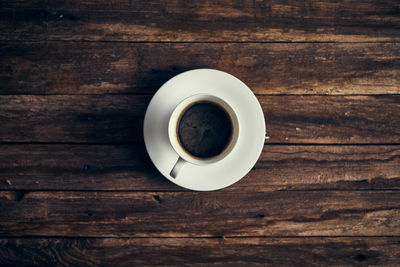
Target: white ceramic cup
185,157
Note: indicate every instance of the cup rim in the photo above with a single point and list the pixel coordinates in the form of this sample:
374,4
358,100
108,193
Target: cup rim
176,115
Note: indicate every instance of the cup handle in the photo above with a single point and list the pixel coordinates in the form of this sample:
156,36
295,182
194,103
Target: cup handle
177,167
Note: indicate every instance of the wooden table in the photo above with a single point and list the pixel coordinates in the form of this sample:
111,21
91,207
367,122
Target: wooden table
77,187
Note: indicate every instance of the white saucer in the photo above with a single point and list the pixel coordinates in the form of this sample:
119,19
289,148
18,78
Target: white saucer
251,135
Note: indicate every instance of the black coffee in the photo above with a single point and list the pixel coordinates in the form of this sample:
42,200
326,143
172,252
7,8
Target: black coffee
204,129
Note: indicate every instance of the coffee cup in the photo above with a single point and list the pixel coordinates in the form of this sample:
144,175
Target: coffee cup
202,129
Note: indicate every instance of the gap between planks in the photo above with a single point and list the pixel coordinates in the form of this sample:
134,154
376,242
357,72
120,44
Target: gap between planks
201,237
140,142
150,95
195,42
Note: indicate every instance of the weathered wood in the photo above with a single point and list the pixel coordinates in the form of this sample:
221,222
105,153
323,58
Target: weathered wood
72,118
283,20
323,119
127,167
203,214
258,221
119,118
98,68
341,251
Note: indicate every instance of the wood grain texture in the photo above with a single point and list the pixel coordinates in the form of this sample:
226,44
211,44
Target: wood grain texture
127,167
119,118
202,214
280,20
72,118
267,68
341,251
78,189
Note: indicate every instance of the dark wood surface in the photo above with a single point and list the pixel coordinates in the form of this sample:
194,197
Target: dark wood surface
78,189
119,118
125,167
253,251
267,68
202,21
203,214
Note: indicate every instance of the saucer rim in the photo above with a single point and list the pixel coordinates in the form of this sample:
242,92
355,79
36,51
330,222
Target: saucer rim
255,149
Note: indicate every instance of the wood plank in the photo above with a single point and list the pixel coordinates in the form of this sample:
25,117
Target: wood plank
223,20
72,118
342,251
267,68
127,167
119,118
202,214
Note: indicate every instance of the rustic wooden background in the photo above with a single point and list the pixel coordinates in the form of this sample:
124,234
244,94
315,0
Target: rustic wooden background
77,187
